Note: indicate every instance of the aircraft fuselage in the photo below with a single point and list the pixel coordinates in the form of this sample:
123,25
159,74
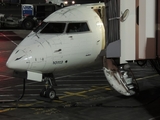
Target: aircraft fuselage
70,38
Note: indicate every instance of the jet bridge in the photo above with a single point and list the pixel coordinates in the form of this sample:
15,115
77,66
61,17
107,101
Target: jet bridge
131,29
130,34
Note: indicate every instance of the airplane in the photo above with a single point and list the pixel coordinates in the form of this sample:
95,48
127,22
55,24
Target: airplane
70,39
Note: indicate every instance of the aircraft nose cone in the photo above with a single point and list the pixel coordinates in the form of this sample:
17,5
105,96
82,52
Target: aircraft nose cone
18,61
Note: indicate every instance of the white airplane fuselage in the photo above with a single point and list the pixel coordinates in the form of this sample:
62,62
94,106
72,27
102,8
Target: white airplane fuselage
50,50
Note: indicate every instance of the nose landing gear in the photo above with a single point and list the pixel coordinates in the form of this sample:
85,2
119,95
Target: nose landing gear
48,90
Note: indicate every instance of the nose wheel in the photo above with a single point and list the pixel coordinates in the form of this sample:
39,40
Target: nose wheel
48,91
51,93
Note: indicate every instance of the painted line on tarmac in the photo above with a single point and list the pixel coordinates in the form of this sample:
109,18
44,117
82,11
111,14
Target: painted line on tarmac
60,77
8,109
5,51
151,76
9,77
8,35
6,79
82,93
19,106
9,39
69,94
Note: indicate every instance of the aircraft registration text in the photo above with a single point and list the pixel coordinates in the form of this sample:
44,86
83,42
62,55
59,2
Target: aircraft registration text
57,62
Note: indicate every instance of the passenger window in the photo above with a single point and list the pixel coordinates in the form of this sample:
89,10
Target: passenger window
77,27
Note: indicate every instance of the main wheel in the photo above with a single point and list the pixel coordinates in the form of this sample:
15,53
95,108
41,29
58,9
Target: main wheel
50,93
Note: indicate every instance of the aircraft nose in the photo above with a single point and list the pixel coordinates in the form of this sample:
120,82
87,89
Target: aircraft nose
18,61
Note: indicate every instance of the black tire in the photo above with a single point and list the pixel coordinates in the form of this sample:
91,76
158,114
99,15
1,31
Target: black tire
62,5
28,24
141,62
43,92
51,93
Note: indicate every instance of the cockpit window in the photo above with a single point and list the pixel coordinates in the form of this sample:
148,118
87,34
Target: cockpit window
54,28
39,27
77,27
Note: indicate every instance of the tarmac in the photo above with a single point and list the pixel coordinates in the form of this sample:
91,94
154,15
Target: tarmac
83,96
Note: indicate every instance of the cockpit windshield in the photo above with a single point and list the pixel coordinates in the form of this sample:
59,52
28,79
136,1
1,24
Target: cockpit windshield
54,28
59,27
39,27
77,27
51,27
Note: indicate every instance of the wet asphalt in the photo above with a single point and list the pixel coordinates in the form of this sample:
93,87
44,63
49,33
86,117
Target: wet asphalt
83,96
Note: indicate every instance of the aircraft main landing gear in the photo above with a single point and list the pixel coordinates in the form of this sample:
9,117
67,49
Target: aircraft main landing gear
48,91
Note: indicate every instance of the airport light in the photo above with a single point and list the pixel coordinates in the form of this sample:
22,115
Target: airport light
73,2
